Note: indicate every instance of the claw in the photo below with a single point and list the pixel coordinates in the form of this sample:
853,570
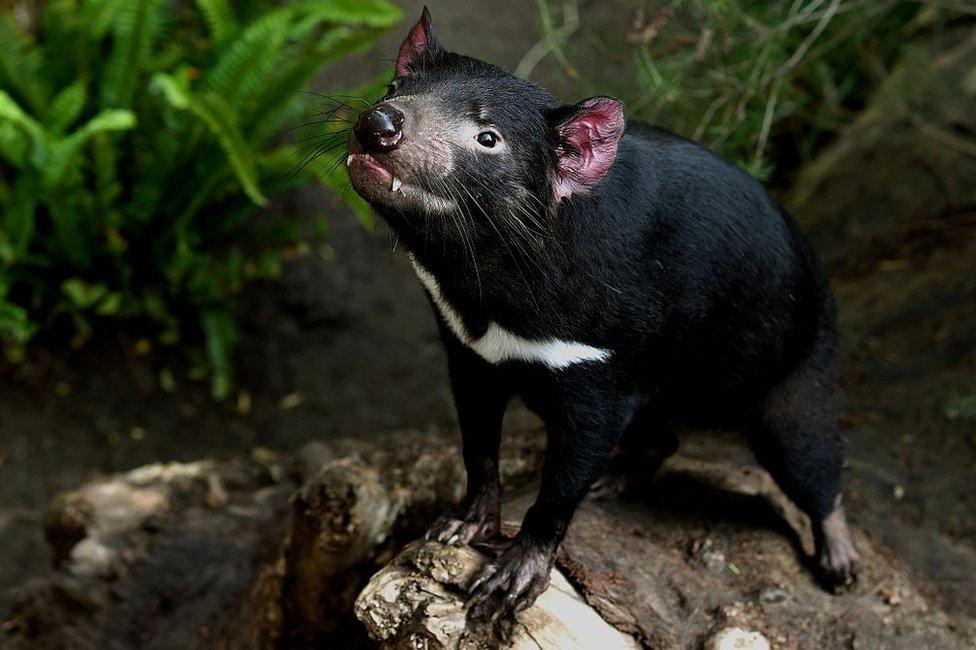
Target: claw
484,576
480,523
511,583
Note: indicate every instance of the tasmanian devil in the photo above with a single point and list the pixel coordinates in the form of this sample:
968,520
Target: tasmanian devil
621,280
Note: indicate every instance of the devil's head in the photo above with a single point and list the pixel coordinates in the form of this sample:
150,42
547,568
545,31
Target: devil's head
455,135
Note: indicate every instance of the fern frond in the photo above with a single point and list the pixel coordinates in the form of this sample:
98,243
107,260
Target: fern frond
136,27
279,94
66,107
100,14
12,112
105,170
221,121
379,14
72,232
20,67
14,145
221,20
250,61
17,218
15,323
62,151
220,332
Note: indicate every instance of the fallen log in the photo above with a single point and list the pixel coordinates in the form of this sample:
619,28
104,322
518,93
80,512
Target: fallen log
417,601
711,555
271,552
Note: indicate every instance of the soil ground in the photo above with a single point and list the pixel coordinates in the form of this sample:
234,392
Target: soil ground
346,344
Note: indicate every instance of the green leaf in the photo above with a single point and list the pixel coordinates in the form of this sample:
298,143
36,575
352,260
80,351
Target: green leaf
15,323
136,26
372,13
962,408
109,304
62,151
279,94
83,295
250,61
221,121
107,120
20,65
10,110
66,107
17,219
220,333
100,14
14,144
220,18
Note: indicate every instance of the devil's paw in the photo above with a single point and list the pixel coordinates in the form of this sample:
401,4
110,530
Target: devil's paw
481,522
513,581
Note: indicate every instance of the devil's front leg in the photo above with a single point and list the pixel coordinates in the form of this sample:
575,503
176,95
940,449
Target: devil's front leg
480,398
584,423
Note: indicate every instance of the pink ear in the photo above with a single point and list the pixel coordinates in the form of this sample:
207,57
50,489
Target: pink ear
588,134
420,43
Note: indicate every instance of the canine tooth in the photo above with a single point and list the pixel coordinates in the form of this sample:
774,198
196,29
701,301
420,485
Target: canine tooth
396,184
349,160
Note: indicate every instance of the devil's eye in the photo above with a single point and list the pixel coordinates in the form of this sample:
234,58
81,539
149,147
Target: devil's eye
487,139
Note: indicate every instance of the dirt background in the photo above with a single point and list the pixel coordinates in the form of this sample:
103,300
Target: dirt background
346,344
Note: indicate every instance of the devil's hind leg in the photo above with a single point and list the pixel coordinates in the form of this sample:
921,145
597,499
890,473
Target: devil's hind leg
794,435
648,441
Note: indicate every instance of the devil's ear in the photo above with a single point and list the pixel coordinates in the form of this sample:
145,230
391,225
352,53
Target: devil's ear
419,47
586,136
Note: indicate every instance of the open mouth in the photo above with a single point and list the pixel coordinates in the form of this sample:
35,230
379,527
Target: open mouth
376,169
363,165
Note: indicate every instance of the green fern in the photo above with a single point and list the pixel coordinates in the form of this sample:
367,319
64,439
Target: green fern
20,66
136,27
270,106
13,145
100,15
15,115
135,159
371,13
61,152
221,120
250,60
220,18
66,107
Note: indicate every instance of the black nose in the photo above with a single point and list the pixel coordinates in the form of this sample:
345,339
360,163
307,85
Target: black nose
379,128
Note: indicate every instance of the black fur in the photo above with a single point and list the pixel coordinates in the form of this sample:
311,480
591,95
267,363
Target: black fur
709,297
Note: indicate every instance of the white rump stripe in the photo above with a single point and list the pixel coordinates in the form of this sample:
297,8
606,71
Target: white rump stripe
498,344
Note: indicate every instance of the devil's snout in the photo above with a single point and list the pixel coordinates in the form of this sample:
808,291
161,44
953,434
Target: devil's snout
379,128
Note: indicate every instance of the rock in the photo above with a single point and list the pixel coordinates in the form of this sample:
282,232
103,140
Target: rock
734,638
772,596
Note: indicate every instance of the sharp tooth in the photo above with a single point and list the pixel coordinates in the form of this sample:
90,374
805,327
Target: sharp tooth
349,160
396,184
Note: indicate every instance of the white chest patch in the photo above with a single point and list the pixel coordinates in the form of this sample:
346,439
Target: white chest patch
498,344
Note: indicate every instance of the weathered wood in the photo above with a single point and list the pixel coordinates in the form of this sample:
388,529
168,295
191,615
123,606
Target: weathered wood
270,553
267,552
418,601
708,548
